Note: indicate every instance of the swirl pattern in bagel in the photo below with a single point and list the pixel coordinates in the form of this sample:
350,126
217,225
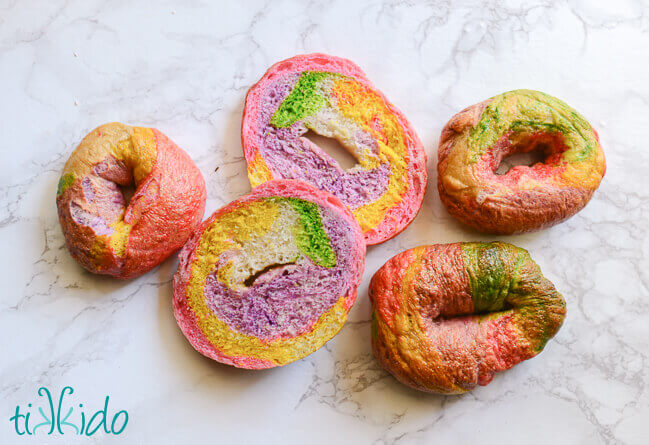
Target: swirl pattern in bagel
475,141
333,97
270,277
103,232
448,316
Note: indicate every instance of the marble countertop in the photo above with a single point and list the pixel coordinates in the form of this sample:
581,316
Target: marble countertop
68,66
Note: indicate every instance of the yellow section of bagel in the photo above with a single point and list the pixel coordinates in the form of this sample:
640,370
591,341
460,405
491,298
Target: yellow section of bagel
119,238
258,171
231,231
582,174
365,106
135,146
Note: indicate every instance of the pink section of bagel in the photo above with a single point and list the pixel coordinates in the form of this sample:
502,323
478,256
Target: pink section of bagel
282,187
396,218
174,208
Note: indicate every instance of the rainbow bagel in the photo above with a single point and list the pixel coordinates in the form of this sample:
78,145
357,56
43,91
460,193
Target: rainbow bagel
104,234
448,316
474,142
334,98
270,277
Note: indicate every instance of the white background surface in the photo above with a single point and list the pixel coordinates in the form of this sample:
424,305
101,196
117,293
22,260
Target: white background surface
66,67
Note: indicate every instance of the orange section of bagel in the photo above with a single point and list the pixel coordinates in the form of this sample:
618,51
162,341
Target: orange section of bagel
225,232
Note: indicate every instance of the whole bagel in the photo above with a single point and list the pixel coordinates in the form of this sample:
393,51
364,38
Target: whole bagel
474,142
102,232
270,277
332,96
446,317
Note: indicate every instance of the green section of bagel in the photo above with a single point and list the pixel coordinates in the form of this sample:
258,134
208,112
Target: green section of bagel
375,331
489,276
66,181
310,237
528,111
303,101
504,278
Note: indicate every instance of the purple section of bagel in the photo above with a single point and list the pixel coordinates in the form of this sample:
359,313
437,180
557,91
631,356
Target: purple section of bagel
294,297
290,156
101,202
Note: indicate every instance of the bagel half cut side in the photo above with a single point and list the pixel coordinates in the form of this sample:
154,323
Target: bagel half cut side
269,278
333,97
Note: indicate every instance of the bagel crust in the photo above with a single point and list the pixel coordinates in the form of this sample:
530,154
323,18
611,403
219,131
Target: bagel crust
333,97
104,233
526,198
270,277
446,317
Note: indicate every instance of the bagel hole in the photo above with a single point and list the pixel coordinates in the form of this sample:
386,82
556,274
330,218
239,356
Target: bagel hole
528,159
127,192
529,149
506,307
248,282
333,148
